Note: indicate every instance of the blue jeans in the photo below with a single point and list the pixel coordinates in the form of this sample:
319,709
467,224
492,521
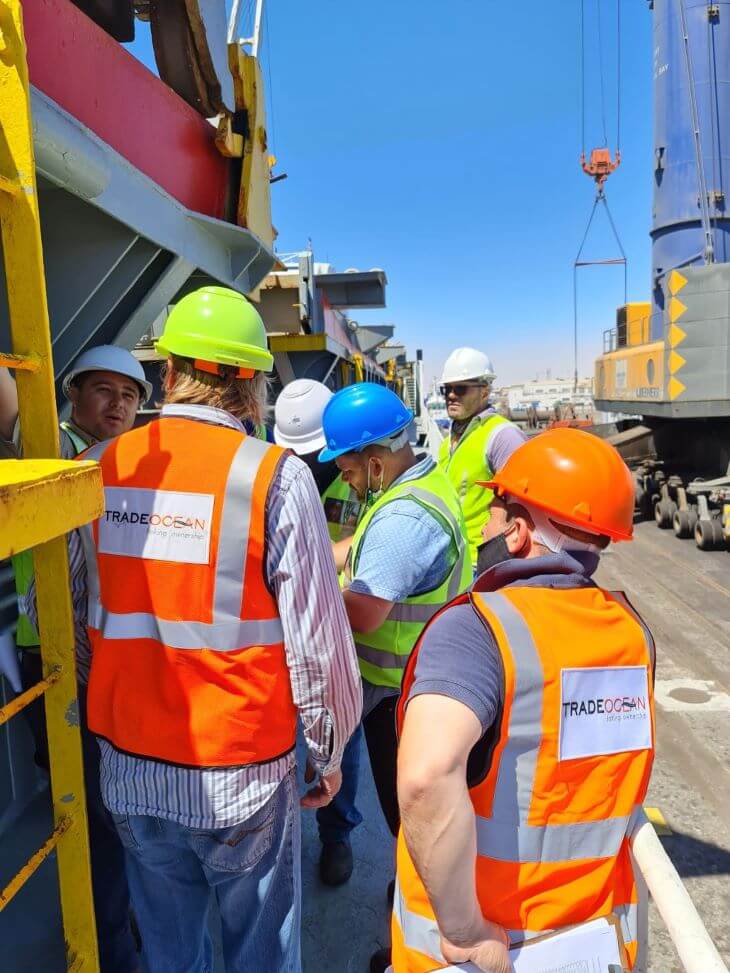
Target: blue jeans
253,868
338,818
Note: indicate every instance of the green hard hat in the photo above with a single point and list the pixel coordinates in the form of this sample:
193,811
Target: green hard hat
218,325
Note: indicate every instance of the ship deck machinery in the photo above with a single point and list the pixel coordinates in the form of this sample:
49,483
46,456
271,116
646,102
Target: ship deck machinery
140,196
305,307
668,360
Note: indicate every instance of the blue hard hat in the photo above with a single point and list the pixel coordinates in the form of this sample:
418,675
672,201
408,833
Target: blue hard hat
359,415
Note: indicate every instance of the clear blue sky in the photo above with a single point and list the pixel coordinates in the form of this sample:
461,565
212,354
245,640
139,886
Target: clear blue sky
440,141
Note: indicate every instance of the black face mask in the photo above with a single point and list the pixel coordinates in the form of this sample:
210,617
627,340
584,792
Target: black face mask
491,552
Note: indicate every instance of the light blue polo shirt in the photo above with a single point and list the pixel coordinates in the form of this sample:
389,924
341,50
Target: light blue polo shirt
405,550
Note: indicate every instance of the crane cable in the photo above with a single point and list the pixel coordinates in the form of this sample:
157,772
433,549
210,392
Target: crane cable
600,198
709,250
601,74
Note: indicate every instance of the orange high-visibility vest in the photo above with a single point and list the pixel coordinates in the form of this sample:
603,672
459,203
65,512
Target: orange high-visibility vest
188,662
559,797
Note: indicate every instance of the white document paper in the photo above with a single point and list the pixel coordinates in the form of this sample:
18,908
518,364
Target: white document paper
604,711
590,948
157,525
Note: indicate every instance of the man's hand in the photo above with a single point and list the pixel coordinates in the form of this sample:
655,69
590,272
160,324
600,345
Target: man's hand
488,953
324,790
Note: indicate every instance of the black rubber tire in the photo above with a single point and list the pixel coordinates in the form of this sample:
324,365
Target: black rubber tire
705,536
643,504
718,534
683,524
664,511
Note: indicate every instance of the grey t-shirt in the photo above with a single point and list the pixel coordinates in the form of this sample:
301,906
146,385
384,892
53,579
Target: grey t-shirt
458,656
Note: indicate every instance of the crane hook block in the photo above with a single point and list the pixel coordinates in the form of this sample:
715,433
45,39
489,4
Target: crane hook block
601,165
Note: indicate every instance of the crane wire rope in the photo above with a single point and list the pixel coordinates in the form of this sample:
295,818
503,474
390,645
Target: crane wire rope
606,262
267,32
709,251
717,182
601,73
600,197
618,76
582,78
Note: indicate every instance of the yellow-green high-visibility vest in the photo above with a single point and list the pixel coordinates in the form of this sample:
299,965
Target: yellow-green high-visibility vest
341,508
464,467
26,634
383,654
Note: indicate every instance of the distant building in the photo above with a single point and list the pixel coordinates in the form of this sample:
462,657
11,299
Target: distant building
546,396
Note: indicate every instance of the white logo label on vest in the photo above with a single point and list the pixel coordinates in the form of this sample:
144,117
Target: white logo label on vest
157,525
604,711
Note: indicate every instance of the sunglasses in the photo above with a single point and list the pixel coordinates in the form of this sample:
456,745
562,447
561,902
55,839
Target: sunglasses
460,390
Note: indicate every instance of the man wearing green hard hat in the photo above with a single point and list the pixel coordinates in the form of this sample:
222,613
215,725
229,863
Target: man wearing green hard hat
216,621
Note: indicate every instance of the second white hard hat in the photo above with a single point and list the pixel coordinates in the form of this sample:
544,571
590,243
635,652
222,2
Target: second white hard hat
298,414
467,363
109,358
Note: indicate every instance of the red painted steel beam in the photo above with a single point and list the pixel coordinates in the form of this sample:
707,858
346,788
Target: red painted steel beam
97,81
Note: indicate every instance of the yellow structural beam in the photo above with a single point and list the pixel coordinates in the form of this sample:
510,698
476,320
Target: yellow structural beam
298,342
17,882
31,340
24,699
19,363
42,499
254,204
357,361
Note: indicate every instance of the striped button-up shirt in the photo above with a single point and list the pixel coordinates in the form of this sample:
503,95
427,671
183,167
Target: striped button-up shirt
320,655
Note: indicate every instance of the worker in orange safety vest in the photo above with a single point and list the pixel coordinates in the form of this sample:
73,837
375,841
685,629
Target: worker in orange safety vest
216,623
516,815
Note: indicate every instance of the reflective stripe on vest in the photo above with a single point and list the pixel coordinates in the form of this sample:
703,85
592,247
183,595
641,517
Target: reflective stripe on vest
204,641
511,838
225,633
26,634
535,873
383,653
77,441
466,464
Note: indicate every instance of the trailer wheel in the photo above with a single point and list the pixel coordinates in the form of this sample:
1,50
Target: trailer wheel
643,503
664,511
709,535
718,534
684,523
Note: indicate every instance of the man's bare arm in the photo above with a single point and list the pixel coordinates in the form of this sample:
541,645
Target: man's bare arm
439,825
8,404
340,550
365,612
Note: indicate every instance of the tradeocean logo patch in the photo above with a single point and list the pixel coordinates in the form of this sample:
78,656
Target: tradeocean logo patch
604,710
157,525
623,705
176,521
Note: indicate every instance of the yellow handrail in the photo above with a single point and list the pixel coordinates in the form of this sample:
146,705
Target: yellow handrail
31,357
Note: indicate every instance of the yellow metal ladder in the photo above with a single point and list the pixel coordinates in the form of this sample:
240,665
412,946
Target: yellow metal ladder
42,499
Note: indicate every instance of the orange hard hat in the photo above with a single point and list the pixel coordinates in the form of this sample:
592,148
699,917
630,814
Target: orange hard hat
574,475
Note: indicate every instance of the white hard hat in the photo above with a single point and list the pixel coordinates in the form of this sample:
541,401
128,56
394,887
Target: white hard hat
298,414
466,363
109,358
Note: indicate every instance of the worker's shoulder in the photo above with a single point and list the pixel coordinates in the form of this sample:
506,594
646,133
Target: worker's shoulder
455,630
458,657
292,476
410,512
